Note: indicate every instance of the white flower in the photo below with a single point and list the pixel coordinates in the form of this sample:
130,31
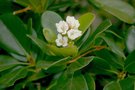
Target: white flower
72,22
61,41
74,33
62,27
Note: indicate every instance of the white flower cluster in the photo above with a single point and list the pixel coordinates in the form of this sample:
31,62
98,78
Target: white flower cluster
67,30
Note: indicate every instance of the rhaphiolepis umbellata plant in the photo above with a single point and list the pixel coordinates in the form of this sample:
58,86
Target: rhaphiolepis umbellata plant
47,50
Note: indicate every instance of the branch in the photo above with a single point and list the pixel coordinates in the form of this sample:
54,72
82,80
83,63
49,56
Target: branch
96,48
22,10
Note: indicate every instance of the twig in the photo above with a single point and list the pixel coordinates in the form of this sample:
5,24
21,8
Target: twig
96,48
22,10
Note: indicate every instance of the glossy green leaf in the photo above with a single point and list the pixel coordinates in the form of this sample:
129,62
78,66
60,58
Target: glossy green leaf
118,8
85,21
70,82
100,29
112,86
130,40
79,64
7,62
54,50
130,63
83,38
41,44
127,83
11,77
101,66
36,76
46,64
9,42
108,56
114,48
17,28
90,81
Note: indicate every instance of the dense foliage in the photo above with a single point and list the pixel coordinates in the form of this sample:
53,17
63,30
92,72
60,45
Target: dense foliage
101,57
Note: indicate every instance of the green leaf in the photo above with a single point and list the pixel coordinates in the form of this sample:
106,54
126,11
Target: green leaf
70,82
83,38
113,86
37,6
36,76
54,50
127,83
49,19
49,35
62,4
100,29
22,2
85,21
17,28
5,6
64,51
52,64
130,63
101,66
130,39
114,48
118,8
9,42
108,56
79,64
41,44
90,81
11,77
7,62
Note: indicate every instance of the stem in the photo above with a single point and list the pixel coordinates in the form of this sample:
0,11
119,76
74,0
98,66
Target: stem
22,10
96,48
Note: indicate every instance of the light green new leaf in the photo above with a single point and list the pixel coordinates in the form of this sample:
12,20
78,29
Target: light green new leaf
118,8
49,35
48,21
79,64
7,62
9,42
130,39
90,81
64,51
112,86
85,21
130,63
70,82
10,78
54,50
